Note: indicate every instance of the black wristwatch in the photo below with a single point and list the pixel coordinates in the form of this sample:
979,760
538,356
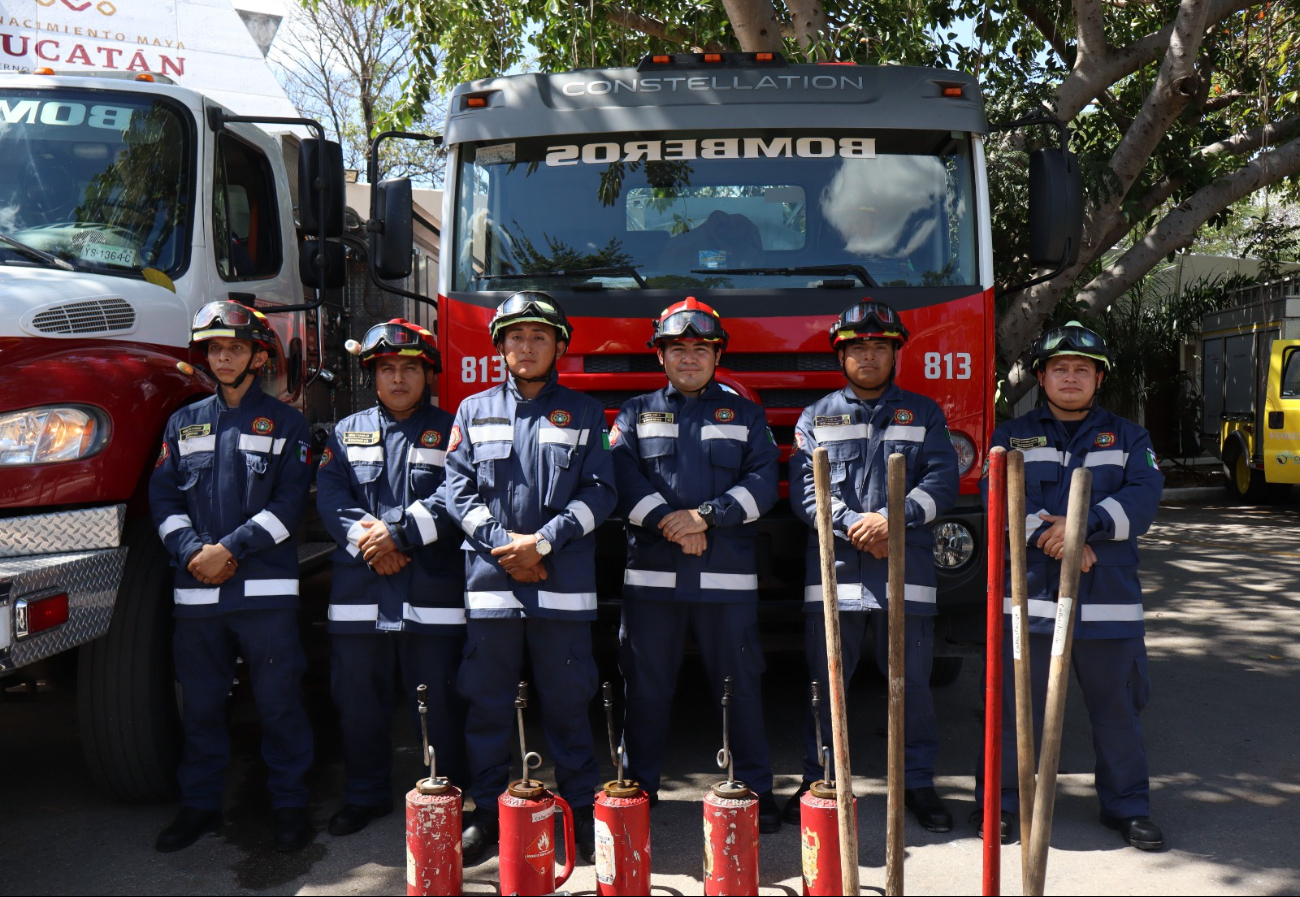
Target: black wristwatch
708,512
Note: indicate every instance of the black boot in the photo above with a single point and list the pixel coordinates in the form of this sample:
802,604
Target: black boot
354,817
190,824
793,812
292,829
1139,831
928,809
1006,825
584,832
481,831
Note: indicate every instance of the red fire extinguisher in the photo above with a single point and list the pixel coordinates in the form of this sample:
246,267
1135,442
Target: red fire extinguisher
730,825
819,829
433,863
622,825
526,810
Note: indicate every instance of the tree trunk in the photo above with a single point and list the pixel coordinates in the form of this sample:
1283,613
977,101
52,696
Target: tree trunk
756,25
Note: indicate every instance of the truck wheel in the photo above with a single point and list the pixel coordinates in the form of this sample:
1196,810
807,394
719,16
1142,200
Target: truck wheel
1243,483
126,692
945,670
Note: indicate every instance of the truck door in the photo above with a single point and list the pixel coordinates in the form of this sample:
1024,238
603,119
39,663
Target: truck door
1282,414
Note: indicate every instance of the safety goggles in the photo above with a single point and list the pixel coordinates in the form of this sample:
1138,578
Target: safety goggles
231,314
522,305
869,313
689,322
394,335
1071,337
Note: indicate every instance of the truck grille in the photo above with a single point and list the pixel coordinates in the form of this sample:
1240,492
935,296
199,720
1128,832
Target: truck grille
93,316
790,398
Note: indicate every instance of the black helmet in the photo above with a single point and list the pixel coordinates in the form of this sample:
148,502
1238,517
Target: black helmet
231,320
400,337
530,305
868,320
1070,339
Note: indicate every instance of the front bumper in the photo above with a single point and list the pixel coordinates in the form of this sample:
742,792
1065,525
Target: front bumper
72,552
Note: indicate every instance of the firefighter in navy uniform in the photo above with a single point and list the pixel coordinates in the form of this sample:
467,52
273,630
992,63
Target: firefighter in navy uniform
397,600
696,466
1109,654
529,478
227,494
861,426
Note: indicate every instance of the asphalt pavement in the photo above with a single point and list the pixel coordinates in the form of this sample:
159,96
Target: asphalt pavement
1223,606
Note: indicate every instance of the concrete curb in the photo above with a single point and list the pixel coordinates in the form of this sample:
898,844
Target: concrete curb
1194,494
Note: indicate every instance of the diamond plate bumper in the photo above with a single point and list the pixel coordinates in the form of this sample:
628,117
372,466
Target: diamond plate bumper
91,580
62,531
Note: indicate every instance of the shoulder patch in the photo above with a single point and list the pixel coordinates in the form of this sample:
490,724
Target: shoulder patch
798,439
770,437
832,420
614,433
304,453
1029,442
655,417
604,438
560,418
1105,439
194,431
984,471
326,457
430,438
361,437
903,416
263,426
162,455
1151,458
454,441
724,415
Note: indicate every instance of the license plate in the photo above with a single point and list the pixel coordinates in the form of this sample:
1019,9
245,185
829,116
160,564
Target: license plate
111,255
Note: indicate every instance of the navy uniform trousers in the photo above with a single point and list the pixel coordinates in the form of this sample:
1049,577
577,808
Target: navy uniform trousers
652,639
920,726
205,649
1112,674
563,670
362,668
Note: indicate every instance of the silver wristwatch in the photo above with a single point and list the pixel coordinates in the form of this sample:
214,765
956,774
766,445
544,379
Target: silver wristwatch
543,547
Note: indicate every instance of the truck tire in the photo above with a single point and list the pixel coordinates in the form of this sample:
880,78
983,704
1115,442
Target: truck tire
1243,483
945,671
126,691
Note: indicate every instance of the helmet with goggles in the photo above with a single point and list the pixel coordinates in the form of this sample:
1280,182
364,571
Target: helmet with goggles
400,338
690,319
231,320
1070,339
530,305
867,320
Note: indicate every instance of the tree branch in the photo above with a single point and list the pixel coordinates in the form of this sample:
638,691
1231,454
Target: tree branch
1249,141
1090,31
1223,100
635,21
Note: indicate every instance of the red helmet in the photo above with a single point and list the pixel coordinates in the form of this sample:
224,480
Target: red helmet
867,320
690,319
401,338
231,320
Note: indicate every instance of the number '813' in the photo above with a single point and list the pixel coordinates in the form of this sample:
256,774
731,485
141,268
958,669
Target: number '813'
940,367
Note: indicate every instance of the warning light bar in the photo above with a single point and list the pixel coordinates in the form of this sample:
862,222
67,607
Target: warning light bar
730,60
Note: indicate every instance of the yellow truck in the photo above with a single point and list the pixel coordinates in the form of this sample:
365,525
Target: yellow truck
1250,381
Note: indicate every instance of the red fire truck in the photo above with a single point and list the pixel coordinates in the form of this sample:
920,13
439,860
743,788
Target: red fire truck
125,204
779,194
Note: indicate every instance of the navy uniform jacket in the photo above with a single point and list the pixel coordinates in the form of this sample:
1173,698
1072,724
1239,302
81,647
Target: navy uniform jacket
672,453
859,443
378,468
1126,486
526,467
238,476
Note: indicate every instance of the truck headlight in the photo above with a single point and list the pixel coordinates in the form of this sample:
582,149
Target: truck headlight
965,453
953,544
51,434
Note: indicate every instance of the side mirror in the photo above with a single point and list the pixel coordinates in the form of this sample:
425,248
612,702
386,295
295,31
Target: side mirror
334,273
1055,208
320,159
392,237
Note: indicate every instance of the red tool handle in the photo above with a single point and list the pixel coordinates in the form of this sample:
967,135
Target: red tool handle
568,840
997,526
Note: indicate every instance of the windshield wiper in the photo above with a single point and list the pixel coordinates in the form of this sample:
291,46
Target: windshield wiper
573,272
857,271
39,255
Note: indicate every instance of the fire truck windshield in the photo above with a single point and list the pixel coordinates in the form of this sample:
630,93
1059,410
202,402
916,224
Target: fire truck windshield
732,211
98,179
